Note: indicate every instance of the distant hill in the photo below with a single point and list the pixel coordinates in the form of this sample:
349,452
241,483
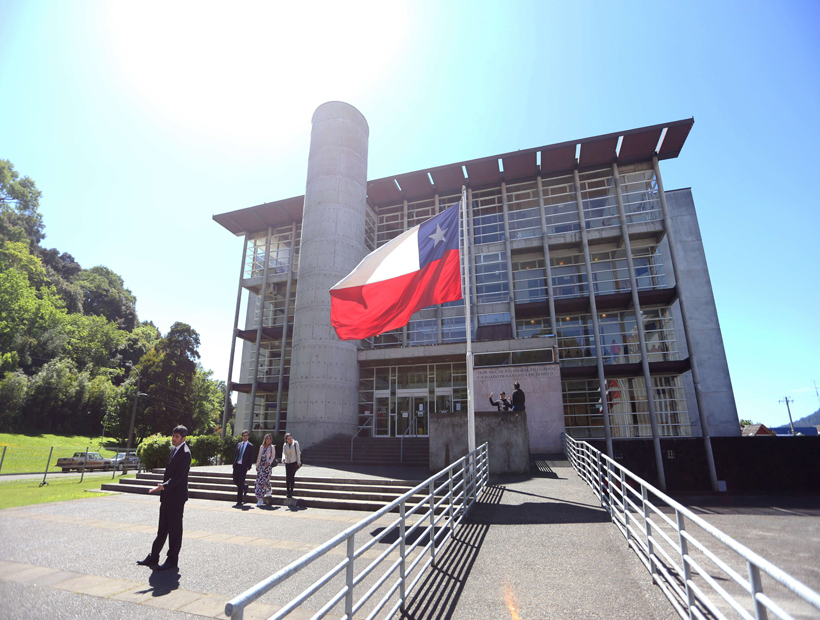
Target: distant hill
809,420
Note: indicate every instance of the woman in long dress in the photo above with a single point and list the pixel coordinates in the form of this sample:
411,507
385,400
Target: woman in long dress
264,464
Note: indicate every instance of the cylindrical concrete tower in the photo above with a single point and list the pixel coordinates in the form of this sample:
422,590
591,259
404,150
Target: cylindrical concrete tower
324,374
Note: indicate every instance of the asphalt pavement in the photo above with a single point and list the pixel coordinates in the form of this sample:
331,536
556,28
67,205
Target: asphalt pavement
536,547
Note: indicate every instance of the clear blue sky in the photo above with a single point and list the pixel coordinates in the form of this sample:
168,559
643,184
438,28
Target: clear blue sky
139,120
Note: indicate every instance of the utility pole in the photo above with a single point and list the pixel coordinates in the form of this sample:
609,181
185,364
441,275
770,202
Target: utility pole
787,400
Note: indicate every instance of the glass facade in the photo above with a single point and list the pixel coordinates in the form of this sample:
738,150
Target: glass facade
394,399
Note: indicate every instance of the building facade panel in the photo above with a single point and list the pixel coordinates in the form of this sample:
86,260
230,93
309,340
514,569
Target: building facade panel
528,254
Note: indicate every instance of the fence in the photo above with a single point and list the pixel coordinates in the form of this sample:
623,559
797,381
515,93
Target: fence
699,569
447,497
43,460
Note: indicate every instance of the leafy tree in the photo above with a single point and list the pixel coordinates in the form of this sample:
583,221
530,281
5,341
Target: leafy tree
168,371
207,398
60,270
20,218
104,294
93,341
31,313
139,341
13,389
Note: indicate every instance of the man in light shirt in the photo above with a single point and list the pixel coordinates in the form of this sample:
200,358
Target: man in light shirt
173,492
242,462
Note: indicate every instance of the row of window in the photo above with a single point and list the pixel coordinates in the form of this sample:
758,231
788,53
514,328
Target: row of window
281,246
628,408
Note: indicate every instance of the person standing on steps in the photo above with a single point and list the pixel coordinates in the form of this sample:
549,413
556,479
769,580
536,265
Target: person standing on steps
242,461
518,398
173,493
264,464
292,458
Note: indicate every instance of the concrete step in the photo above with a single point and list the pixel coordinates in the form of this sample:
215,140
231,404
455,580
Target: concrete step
157,474
365,497
367,493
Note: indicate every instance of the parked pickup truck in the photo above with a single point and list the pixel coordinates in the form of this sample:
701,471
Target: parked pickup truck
95,461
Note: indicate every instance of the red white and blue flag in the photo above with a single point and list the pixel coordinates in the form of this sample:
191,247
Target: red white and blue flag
419,268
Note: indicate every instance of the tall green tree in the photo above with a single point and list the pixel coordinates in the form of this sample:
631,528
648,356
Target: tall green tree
20,218
168,373
104,294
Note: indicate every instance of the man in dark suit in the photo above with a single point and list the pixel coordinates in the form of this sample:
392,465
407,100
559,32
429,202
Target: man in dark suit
518,398
242,461
173,495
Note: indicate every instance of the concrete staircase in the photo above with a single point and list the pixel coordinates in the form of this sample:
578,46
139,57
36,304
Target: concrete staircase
383,451
334,493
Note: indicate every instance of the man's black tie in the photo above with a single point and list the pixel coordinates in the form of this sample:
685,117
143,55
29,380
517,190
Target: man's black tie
170,456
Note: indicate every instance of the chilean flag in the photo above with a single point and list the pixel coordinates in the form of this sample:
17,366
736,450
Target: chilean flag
419,268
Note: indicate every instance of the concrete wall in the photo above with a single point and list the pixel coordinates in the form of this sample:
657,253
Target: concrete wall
545,406
323,389
707,342
506,434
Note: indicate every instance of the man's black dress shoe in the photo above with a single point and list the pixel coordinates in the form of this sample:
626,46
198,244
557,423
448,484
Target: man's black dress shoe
150,560
168,565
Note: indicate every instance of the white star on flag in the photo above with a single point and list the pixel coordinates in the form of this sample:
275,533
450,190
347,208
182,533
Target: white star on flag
438,235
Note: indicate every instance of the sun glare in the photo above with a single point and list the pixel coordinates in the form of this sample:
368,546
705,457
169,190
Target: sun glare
243,72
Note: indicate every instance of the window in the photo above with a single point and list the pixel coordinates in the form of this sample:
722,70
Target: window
560,207
491,278
523,211
488,216
529,281
533,328
421,332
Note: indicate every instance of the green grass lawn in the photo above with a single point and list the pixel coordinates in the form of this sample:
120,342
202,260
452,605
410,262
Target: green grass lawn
26,492
29,453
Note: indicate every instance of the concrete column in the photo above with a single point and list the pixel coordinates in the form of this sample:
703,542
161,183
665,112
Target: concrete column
508,250
594,309
285,327
255,378
324,373
636,305
438,307
233,337
704,424
404,327
545,238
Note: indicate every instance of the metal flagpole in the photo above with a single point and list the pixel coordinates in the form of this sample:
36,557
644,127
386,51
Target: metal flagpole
470,404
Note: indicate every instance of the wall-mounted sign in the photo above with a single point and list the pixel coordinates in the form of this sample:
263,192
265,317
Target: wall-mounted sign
404,414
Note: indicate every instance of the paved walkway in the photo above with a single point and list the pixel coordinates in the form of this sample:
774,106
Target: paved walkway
532,548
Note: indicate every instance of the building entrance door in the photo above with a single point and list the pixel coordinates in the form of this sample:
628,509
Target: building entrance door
411,413
383,417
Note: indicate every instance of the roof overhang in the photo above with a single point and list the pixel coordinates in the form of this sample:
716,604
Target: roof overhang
625,147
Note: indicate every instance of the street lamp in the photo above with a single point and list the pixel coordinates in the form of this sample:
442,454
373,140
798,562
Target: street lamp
133,416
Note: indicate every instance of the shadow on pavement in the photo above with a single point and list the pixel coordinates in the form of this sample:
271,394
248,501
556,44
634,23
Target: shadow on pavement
163,582
437,594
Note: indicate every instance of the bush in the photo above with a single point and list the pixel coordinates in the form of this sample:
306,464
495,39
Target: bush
154,451
204,448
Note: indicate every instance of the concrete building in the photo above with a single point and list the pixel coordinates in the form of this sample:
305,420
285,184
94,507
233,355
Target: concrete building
567,241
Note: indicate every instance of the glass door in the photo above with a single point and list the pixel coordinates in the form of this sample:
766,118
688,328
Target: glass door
382,419
411,413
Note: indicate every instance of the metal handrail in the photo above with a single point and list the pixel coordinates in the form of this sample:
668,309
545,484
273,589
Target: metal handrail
361,428
463,481
679,570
